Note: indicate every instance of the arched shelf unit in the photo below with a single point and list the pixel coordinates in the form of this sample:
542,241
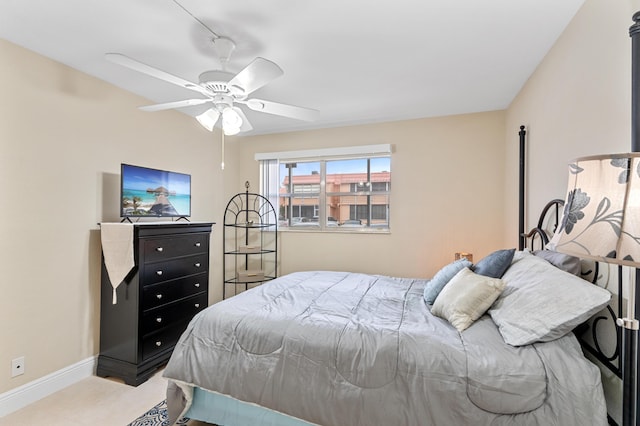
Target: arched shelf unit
250,240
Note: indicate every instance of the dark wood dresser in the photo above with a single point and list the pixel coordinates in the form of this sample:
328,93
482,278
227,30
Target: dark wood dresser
167,287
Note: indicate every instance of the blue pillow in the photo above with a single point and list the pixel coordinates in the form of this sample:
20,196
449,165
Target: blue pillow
495,264
442,277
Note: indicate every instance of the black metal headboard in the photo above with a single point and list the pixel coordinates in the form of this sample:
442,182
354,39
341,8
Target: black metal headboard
540,233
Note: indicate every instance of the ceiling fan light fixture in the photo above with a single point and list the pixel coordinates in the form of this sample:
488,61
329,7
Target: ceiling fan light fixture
208,119
231,121
230,131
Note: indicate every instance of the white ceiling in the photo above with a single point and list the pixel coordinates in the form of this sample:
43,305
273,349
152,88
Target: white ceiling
357,61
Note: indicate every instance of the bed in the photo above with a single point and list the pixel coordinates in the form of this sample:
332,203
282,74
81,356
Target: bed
339,348
499,342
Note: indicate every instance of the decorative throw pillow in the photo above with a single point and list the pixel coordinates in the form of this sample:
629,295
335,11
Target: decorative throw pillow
495,264
442,277
466,297
541,303
566,262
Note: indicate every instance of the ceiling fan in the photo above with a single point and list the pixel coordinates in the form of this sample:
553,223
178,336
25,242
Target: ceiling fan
223,90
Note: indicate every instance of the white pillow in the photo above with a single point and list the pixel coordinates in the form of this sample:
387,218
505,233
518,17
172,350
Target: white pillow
541,303
466,297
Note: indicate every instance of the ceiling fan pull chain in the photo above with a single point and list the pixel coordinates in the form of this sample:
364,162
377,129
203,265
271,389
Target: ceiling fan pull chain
222,156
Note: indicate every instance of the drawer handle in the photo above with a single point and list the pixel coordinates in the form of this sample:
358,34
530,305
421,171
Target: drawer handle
197,305
197,285
159,296
197,265
159,249
197,244
159,319
158,343
159,272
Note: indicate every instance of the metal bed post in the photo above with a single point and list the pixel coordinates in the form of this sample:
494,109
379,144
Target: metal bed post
634,400
630,360
634,30
521,233
629,374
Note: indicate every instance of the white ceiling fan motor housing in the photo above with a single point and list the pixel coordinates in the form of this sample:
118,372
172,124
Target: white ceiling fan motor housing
216,81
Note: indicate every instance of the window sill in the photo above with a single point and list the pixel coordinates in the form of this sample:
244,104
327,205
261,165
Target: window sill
337,231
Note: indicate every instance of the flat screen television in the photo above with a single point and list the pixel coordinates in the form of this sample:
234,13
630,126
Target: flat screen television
146,192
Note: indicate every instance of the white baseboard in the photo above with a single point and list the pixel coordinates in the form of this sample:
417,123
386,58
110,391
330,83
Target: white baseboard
28,393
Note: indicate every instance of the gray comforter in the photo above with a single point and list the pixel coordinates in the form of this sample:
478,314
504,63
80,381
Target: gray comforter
336,348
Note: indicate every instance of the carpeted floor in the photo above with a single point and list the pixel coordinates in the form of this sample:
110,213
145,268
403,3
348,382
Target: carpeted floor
157,416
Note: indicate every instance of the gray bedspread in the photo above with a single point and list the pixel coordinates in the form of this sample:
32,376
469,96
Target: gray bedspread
336,349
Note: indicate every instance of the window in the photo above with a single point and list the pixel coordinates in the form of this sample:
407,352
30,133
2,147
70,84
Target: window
306,187
329,190
375,186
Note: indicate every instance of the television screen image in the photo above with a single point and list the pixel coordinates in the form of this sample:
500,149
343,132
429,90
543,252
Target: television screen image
152,192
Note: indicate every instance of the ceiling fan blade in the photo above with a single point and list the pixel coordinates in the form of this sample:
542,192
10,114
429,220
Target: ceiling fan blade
246,125
171,105
291,111
120,59
255,75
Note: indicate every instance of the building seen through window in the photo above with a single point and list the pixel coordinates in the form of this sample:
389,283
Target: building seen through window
335,194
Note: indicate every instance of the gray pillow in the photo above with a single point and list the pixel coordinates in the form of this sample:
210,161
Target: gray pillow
566,262
541,303
495,264
442,277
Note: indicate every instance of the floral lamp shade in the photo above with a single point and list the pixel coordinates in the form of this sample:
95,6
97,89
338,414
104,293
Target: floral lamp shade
601,218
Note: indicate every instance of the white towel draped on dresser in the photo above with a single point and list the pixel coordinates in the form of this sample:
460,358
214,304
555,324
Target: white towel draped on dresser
117,249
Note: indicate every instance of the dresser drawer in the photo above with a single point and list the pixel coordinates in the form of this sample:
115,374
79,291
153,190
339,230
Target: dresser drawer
155,319
170,291
174,268
155,249
162,340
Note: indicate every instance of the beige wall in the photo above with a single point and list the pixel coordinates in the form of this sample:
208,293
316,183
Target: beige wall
576,103
447,194
62,139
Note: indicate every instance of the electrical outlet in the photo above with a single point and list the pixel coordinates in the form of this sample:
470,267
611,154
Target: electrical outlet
17,366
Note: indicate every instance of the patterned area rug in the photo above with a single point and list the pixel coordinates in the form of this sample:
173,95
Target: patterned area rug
157,416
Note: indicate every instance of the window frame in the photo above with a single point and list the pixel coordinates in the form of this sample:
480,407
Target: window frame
270,183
